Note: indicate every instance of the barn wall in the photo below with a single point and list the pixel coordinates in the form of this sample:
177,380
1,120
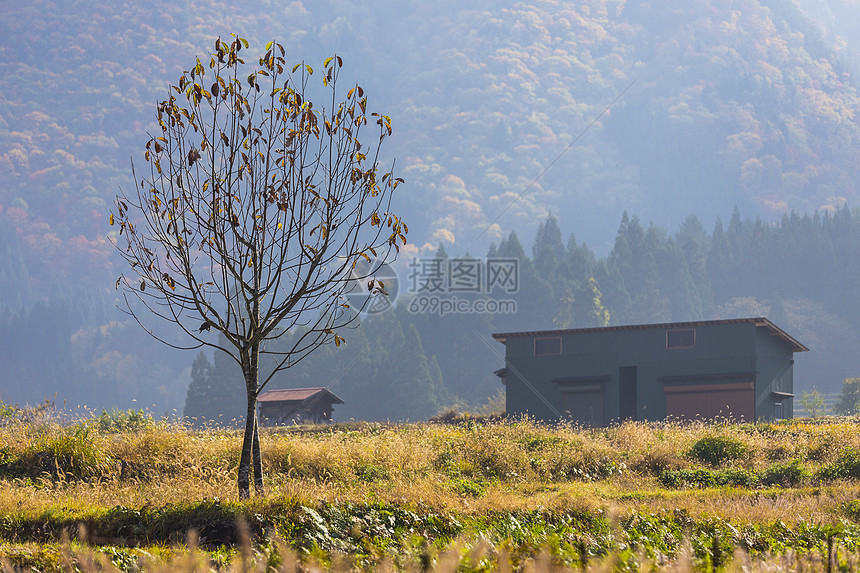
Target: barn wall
729,349
776,374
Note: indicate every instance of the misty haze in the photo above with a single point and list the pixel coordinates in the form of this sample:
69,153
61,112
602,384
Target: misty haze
643,163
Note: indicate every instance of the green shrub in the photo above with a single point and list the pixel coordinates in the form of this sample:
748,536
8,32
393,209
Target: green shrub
849,463
468,488
688,478
702,477
368,472
717,450
123,421
788,474
737,477
538,443
6,410
851,509
72,452
846,466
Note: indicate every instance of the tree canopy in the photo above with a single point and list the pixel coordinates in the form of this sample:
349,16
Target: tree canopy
255,210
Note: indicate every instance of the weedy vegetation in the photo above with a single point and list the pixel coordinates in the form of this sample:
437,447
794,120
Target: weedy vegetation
121,491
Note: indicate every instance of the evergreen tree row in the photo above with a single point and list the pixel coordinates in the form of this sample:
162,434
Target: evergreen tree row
410,362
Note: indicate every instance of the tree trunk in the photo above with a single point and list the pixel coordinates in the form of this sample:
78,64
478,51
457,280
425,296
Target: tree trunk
257,459
251,440
244,479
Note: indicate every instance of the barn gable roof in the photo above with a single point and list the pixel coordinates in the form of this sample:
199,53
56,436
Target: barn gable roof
758,321
299,395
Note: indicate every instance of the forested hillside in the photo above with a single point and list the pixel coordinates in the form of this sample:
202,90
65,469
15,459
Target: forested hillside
501,115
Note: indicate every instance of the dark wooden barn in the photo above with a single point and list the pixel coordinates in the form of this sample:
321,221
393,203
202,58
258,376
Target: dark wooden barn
296,406
740,369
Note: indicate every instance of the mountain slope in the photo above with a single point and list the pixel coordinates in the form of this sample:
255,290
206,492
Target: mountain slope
495,107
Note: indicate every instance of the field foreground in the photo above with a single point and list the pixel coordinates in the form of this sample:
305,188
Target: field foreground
125,492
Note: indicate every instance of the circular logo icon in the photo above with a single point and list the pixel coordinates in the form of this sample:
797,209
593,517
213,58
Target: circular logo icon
372,287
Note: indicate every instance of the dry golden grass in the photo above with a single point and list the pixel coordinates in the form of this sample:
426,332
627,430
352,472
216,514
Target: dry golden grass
467,467
472,469
812,505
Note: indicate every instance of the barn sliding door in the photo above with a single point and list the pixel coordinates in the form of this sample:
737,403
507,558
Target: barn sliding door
733,401
582,400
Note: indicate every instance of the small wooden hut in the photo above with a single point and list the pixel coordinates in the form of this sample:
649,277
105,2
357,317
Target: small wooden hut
296,406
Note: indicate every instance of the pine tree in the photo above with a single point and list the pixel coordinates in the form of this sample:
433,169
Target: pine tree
213,395
617,270
15,289
848,403
583,307
678,284
536,306
200,401
650,302
579,261
719,265
693,242
548,249
414,394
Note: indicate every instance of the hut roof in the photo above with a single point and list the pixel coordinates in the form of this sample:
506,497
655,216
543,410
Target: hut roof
299,395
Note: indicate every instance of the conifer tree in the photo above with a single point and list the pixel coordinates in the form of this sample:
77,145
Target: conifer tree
548,249
693,242
213,396
201,396
15,289
719,264
535,305
583,307
579,261
414,394
848,403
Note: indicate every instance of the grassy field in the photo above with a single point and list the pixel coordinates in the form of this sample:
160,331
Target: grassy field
124,492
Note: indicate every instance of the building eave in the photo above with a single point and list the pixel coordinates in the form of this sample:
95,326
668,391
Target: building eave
761,322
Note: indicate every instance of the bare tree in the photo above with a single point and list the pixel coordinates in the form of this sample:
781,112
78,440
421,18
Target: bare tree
257,208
